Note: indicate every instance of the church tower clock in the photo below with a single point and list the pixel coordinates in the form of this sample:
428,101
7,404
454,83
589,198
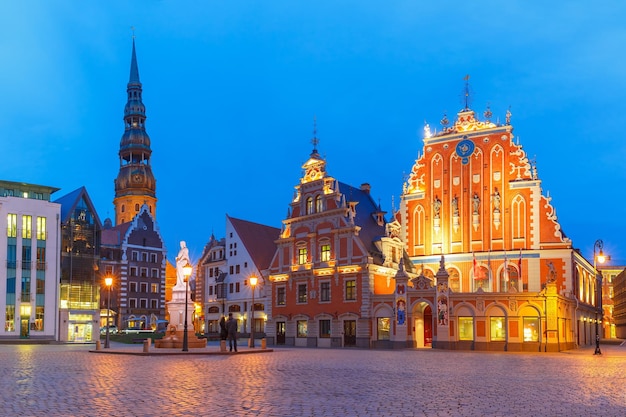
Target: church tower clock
135,184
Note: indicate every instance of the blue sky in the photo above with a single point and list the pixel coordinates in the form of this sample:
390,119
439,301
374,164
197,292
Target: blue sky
231,90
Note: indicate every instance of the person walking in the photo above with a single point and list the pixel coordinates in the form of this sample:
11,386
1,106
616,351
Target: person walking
231,326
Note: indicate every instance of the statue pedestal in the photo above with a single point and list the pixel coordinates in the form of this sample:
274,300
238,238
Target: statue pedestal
176,329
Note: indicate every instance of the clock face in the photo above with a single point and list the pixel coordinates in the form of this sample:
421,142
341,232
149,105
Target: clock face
137,178
465,149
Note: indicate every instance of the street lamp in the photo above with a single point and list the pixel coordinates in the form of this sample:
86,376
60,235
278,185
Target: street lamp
601,258
108,281
253,281
187,269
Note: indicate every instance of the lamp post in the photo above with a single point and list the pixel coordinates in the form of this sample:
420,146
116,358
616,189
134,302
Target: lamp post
601,258
187,273
253,281
108,281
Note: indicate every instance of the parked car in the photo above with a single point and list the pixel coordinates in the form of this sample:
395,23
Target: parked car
112,329
137,331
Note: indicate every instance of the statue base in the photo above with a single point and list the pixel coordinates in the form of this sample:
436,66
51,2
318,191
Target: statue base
176,329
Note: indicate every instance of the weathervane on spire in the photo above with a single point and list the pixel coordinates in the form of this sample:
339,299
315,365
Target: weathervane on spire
467,91
315,140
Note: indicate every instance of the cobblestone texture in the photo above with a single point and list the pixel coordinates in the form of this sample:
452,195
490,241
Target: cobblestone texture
68,380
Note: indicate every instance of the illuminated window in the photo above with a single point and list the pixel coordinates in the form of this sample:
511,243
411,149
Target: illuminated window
325,253
302,256
27,227
382,328
12,225
302,328
302,296
41,228
309,205
280,296
531,329
325,291
351,289
498,329
325,328
154,288
466,328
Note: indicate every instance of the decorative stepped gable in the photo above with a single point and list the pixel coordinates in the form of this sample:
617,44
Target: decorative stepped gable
469,186
324,205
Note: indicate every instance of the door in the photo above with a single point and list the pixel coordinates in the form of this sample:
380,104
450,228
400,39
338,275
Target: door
24,331
349,333
428,326
280,333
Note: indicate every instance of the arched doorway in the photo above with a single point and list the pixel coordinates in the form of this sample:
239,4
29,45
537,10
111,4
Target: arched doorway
423,325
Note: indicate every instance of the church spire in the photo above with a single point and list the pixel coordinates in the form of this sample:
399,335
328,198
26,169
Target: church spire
135,184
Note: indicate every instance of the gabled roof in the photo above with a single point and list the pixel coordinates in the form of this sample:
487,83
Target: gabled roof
114,235
258,240
69,201
370,230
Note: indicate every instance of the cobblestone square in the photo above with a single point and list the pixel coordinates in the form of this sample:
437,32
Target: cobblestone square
68,380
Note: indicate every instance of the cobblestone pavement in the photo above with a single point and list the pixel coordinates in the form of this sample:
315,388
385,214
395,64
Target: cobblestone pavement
68,380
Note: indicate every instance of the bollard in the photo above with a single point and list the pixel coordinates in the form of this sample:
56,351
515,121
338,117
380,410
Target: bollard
146,345
222,345
98,345
263,344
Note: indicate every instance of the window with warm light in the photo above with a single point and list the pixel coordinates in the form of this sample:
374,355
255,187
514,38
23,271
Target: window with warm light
466,328
27,226
302,328
41,228
497,326
531,329
12,225
383,327
351,289
302,256
325,252
309,205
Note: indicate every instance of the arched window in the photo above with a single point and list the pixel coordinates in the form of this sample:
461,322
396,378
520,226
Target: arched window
309,205
454,282
318,204
136,207
418,226
481,278
509,277
123,208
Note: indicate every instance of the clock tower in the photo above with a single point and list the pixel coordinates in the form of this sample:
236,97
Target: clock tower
135,184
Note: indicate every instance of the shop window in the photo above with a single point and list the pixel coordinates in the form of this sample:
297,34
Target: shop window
302,328
383,325
531,329
466,328
497,326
